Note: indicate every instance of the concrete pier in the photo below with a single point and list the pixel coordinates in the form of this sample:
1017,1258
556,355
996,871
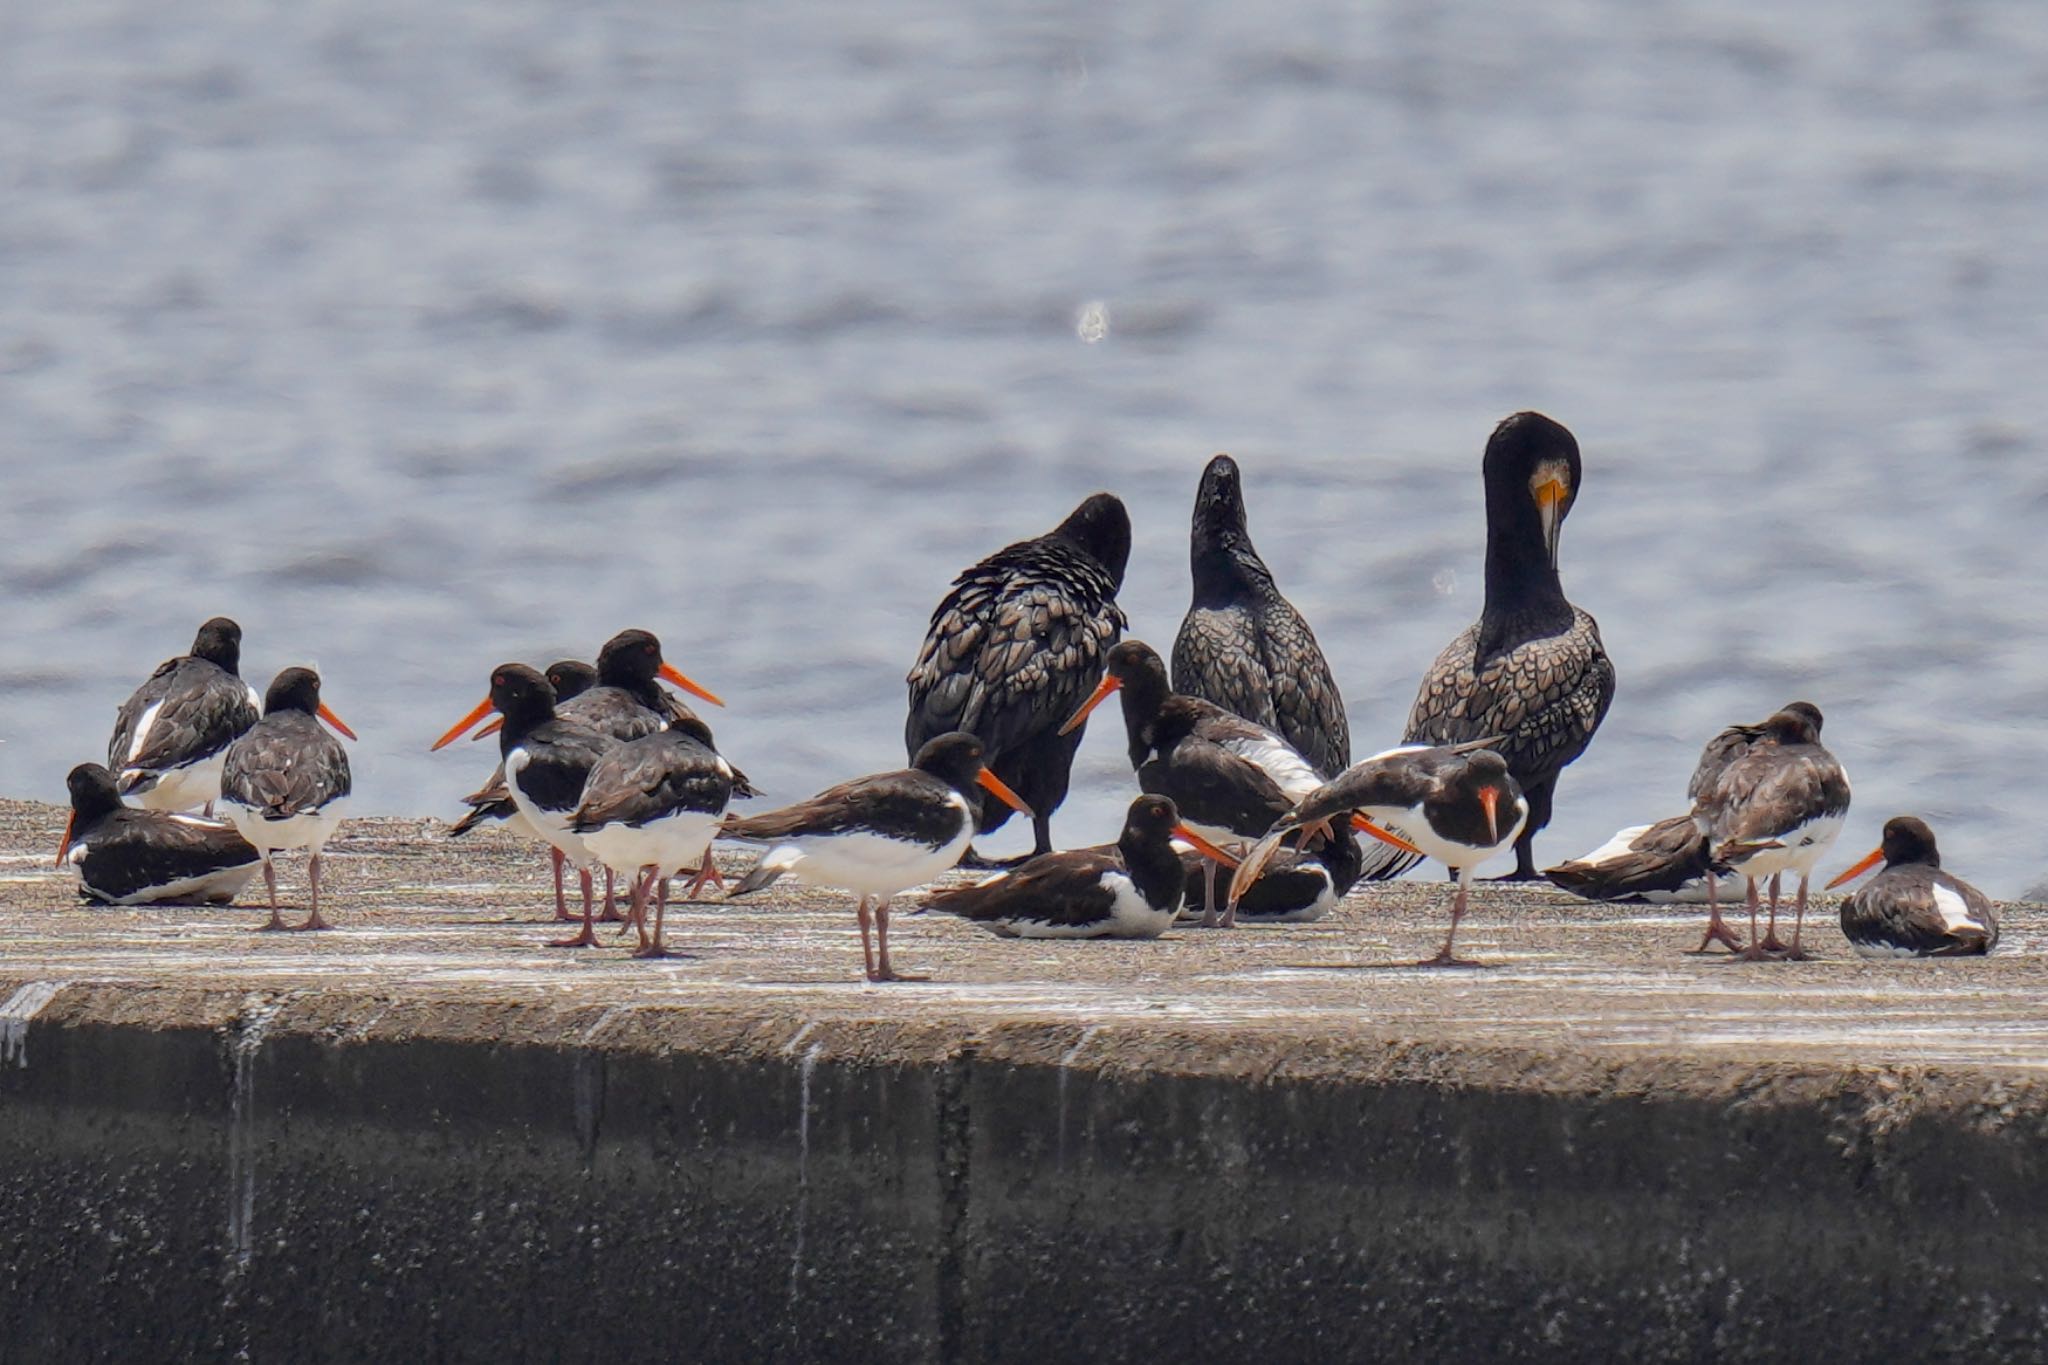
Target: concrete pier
427,1136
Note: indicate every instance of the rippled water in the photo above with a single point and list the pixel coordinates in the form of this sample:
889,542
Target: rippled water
421,337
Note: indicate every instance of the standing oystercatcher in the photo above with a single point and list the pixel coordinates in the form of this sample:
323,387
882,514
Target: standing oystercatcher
1133,890
129,856
1458,804
547,759
1014,647
1913,908
1242,645
1775,808
649,810
878,836
170,736
1531,670
284,782
1230,779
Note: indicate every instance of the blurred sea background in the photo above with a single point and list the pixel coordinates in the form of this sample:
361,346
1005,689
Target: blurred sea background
421,337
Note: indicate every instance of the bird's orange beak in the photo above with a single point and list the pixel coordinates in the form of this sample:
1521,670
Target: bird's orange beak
671,673
1365,826
1203,846
326,713
1876,855
483,708
1002,789
1489,797
488,730
1110,683
64,844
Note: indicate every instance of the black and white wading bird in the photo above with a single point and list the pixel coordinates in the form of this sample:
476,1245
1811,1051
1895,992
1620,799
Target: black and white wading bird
1134,889
284,782
128,856
493,800
1913,908
1229,778
1458,804
1531,670
1014,647
171,736
1242,645
1299,886
649,811
547,758
878,836
1672,861
1775,807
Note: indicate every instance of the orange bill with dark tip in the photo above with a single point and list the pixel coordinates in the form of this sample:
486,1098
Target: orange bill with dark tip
1203,846
1489,798
694,688
326,713
1002,789
1876,855
488,730
1365,826
1110,683
483,708
64,845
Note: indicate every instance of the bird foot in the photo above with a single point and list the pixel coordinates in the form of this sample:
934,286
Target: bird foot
610,915
1756,952
652,950
314,922
890,974
274,925
586,939
1447,959
1720,934
1773,944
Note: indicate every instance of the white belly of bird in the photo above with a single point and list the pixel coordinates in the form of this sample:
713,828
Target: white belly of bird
551,826
223,885
186,788
1130,916
1325,901
670,844
309,829
1410,825
1883,952
1800,849
869,864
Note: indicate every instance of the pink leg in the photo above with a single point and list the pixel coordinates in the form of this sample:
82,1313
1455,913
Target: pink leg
1771,940
1795,953
561,902
660,908
1755,950
882,936
611,904
1717,928
276,921
867,951
587,936
1444,956
313,921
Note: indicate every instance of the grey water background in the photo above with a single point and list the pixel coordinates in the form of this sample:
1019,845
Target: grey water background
419,337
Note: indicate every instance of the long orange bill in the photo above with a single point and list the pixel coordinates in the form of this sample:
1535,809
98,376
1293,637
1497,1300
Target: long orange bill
1203,846
64,846
1109,684
1489,797
483,708
1876,855
326,713
1550,498
488,730
1365,826
1002,790
695,689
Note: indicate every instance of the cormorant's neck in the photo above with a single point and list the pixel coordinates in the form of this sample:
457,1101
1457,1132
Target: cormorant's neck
1225,565
1154,867
1522,588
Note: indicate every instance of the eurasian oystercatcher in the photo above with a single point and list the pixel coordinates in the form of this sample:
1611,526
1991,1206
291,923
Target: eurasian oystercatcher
284,782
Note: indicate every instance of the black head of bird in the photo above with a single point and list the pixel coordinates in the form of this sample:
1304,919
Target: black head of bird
518,693
570,677
219,642
1806,710
1155,820
1532,480
632,660
956,759
1219,503
93,795
1135,669
1907,841
298,689
1484,782
1101,527
1798,723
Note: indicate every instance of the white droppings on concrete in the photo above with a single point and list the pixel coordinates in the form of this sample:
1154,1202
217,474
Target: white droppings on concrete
22,1007
257,1013
805,1070
1066,1065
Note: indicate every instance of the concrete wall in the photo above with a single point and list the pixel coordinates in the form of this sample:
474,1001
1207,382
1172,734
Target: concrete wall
322,1177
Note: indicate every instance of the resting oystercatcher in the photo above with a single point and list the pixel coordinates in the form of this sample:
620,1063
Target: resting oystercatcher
170,736
1014,647
1531,670
1131,891
1229,778
878,836
1671,861
1775,808
493,800
649,810
1242,645
284,782
1299,886
128,856
1458,804
1913,908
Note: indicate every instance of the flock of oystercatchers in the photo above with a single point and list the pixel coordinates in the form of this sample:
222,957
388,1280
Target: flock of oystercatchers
1243,744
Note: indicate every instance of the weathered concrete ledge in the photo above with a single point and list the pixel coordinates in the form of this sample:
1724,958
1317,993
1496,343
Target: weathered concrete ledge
424,1136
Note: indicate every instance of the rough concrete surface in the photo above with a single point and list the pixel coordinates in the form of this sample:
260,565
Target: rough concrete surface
425,1135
